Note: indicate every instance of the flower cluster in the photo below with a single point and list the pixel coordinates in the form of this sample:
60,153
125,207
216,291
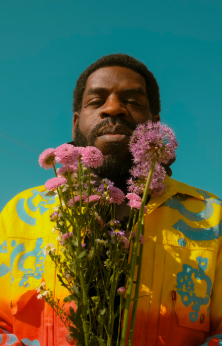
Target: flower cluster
149,142
94,245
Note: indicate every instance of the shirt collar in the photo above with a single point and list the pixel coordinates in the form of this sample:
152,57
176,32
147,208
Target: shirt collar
172,188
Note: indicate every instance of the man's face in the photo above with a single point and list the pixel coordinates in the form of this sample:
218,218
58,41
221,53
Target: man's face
114,103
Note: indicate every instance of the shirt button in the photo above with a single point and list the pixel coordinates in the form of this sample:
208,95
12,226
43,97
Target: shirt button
202,318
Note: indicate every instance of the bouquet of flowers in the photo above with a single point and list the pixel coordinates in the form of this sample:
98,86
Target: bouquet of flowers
98,255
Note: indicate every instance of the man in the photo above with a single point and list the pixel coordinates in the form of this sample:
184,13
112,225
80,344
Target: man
181,300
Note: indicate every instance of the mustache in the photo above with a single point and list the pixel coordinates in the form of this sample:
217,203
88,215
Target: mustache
117,120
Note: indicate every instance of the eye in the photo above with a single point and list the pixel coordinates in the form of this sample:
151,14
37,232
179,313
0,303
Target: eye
132,102
95,102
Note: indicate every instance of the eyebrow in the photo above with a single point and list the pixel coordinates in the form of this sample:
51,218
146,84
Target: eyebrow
99,90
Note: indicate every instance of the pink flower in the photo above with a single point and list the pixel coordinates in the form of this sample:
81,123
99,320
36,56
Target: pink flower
81,150
134,200
65,235
121,290
54,183
142,239
94,198
116,195
124,241
64,170
133,196
77,199
66,154
92,157
47,158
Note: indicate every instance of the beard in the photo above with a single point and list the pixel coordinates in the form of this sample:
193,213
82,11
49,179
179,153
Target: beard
117,165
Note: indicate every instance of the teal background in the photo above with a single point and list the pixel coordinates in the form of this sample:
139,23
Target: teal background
45,45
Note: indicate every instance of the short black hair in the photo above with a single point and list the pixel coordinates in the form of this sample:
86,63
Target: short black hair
122,60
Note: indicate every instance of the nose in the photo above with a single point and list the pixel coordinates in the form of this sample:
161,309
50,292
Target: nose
113,107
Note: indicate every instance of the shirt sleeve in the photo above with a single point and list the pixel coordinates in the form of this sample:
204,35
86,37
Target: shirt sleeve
216,298
6,319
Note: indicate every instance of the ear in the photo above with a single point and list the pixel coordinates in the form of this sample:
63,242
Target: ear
156,118
75,121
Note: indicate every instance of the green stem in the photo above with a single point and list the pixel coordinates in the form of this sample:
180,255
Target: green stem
70,184
134,256
114,211
84,292
54,169
80,186
133,318
89,187
120,315
128,223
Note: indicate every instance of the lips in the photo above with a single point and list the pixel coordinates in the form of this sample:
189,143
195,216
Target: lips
115,130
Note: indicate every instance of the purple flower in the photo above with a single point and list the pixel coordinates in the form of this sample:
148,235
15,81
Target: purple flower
151,141
83,245
117,232
113,222
54,183
54,216
92,157
66,154
47,158
140,171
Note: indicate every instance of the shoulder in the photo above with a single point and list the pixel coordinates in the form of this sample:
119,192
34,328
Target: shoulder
28,211
39,192
192,191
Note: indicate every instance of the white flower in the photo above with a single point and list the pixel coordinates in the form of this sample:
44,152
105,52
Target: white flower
91,253
53,230
59,238
67,275
41,287
97,216
45,293
98,240
49,248
39,296
74,177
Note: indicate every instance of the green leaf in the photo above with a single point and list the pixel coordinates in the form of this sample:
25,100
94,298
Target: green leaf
75,317
69,298
75,334
82,254
101,341
102,312
75,289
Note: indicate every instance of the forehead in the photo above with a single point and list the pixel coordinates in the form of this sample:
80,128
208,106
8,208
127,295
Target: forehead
115,78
